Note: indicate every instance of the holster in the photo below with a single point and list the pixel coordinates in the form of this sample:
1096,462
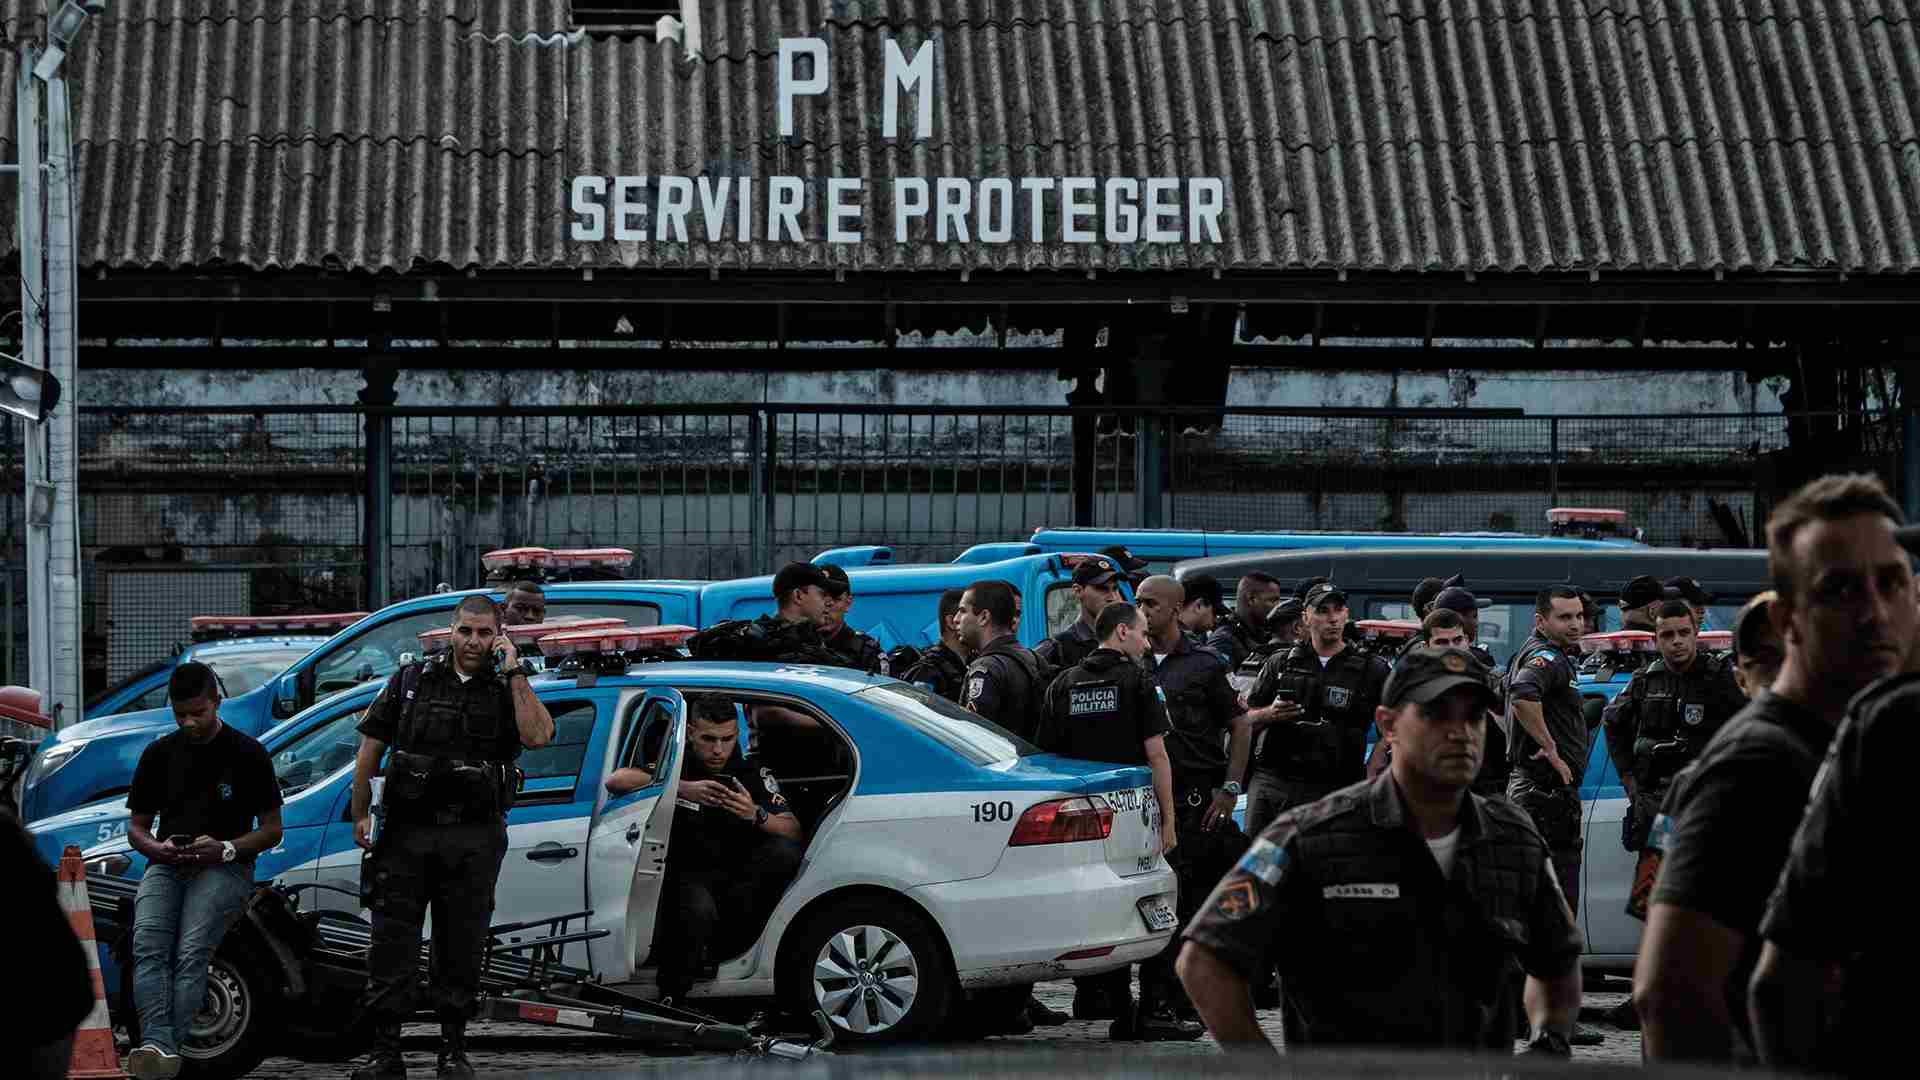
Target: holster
447,791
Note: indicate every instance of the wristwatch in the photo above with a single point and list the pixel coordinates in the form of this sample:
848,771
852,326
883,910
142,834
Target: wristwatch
524,667
759,816
228,852
1231,787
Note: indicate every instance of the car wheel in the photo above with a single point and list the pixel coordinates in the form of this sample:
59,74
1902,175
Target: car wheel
874,967
228,1038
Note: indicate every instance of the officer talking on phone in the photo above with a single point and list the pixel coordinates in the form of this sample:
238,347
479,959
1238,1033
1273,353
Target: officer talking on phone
455,723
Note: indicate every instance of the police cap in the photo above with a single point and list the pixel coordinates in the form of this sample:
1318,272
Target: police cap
1095,570
797,575
1124,558
1423,595
1642,591
1284,612
1325,593
1455,598
1423,673
1690,590
837,583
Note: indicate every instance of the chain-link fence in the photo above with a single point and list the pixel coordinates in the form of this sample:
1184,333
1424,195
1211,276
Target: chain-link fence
265,511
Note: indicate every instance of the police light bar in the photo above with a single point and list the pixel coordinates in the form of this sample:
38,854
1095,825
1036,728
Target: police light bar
582,558
1619,641
527,558
527,633
1388,628
620,639
435,640
212,627
1569,515
1716,640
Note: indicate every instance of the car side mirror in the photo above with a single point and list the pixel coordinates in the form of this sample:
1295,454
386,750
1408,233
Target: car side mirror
286,696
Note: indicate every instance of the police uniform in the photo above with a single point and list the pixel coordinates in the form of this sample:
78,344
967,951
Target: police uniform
1659,724
1201,709
1496,768
768,638
1835,902
1005,684
724,876
1068,647
1235,639
1375,945
450,780
940,670
858,651
1299,761
1542,672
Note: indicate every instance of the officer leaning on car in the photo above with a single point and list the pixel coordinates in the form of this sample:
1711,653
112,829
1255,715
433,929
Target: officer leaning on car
1397,908
1665,716
1326,691
455,725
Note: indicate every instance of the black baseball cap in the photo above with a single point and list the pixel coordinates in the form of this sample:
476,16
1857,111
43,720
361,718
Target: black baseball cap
1423,673
1306,586
1284,612
837,583
1095,570
798,575
1120,555
1424,593
1324,593
1455,598
1205,587
1642,591
1689,590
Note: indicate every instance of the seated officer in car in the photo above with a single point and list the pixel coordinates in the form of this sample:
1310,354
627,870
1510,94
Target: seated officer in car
734,850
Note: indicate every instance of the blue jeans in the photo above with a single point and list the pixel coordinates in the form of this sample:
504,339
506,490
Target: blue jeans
179,916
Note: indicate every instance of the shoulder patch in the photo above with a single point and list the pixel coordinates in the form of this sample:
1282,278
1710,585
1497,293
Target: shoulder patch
1265,860
1541,661
1549,657
976,685
1237,900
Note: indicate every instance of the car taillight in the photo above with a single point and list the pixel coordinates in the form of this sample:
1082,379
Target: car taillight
1064,821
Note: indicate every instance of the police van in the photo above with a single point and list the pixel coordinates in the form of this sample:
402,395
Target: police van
1379,584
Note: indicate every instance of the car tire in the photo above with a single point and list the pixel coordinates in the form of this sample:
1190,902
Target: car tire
243,989
874,966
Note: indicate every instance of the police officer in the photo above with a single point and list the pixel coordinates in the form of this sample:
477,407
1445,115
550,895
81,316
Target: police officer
1107,708
1327,691
857,650
1283,633
1397,908
1095,585
455,724
525,603
1640,601
790,635
1665,716
1200,615
1694,593
1246,629
1547,731
1208,744
943,668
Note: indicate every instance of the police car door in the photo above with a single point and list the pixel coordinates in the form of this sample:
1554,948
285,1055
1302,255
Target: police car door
627,846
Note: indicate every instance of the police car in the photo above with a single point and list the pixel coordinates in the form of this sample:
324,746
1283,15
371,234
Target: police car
925,825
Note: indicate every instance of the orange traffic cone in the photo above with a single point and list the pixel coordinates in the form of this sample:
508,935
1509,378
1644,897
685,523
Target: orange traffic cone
93,1052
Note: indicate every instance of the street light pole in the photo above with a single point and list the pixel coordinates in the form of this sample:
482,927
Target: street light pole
67,703
33,344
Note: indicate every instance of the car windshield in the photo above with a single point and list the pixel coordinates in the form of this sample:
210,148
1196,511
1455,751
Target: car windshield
242,671
968,734
315,754
1503,627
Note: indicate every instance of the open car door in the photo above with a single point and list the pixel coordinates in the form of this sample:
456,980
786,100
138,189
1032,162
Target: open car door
627,847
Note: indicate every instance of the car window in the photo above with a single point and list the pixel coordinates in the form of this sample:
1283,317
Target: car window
1063,608
1503,627
968,734
314,755
241,672
152,699
572,727
373,654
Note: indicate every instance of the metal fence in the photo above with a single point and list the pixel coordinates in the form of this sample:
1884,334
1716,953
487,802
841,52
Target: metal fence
187,511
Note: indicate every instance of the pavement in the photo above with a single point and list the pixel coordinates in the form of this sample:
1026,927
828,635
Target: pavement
507,1049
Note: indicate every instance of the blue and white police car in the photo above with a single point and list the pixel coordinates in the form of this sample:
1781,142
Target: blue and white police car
927,830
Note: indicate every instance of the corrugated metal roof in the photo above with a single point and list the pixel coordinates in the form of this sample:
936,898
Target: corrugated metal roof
1422,135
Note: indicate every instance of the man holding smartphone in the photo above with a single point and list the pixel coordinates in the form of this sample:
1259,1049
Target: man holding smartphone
218,805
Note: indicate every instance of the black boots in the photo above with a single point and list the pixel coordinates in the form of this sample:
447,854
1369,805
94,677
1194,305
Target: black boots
384,1063
453,1053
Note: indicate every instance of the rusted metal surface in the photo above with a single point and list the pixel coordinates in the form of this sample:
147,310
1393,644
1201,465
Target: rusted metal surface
1393,135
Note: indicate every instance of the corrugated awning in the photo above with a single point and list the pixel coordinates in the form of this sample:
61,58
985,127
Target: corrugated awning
1367,135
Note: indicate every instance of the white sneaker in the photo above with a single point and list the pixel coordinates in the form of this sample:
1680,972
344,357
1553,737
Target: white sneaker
149,1062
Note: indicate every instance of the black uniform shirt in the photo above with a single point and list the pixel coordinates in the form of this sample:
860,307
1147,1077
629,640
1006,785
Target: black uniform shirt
1834,901
1103,709
213,789
940,670
860,651
1731,817
1003,685
709,837
1234,639
1662,705
1376,947
1328,744
441,685
1201,707
1068,647
1542,672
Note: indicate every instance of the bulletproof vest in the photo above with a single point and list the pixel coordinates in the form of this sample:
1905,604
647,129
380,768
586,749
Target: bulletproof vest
1333,698
1242,640
1678,713
450,751
1093,697
768,639
940,670
1068,647
1020,680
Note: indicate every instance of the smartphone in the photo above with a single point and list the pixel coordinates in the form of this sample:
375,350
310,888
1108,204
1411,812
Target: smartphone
179,839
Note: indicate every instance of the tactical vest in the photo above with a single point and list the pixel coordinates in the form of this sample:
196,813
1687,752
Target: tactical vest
1018,675
767,639
1677,714
1089,700
452,750
940,670
1338,702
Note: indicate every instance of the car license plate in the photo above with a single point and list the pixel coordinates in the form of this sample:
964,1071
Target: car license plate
1158,913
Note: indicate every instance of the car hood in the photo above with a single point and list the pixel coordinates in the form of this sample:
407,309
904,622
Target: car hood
144,720
83,827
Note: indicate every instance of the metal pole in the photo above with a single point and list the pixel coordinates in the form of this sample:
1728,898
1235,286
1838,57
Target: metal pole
756,486
63,426
379,524
1910,455
1553,462
33,286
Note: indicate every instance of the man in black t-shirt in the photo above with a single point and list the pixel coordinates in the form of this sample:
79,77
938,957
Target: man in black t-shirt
1845,607
208,785
734,850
